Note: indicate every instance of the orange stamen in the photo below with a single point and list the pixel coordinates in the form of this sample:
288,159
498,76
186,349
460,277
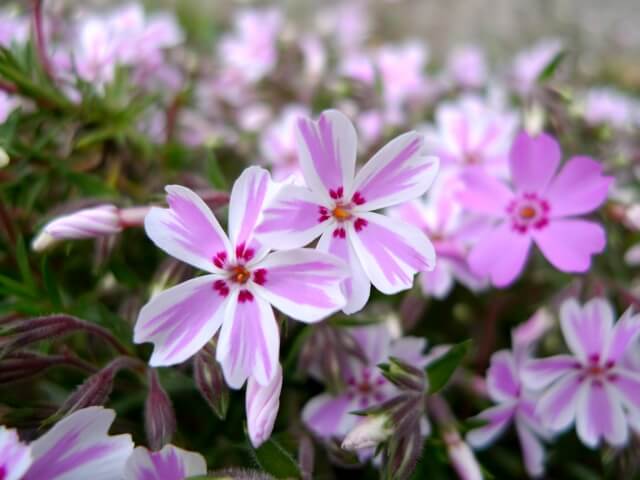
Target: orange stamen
341,213
527,212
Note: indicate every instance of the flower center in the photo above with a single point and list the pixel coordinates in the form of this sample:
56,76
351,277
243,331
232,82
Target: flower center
595,370
528,211
239,274
367,387
341,213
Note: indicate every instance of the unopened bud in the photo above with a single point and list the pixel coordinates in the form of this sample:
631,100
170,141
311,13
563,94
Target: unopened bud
209,380
159,417
462,458
4,158
369,433
403,375
262,404
88,223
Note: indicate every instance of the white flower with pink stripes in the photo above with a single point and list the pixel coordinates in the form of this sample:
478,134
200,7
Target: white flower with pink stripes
243,282
338,206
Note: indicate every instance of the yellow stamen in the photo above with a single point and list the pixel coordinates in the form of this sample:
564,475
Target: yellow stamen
240,274
341,213
527,212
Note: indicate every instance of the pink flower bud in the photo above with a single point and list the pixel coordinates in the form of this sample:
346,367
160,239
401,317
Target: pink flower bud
159,417
262,405
462,458
368,433
88,223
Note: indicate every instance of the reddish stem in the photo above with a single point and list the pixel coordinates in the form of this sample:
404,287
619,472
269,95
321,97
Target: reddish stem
40,38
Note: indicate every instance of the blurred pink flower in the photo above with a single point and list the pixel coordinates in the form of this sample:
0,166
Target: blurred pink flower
338,206
347,23
472,132
8,104
251,49
13,28
541,208
467,67
330,415
528,65
607,106
262,404
591,387
170,463
243,282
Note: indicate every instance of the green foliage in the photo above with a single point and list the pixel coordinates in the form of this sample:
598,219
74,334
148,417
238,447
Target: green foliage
440,370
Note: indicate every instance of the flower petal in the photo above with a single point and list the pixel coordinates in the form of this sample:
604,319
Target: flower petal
569,244
391,251
293,219
439,281
248,196
627,385
186,230
498,419
170,463
532,449
327,151
262,405
303,283
534,160
484,194
540,373
78,447
399,172
328,416
356,287
625,333
181,320
410,350
503,383
587,330
557,406
15,456
249,341
600,415
578,188
500,254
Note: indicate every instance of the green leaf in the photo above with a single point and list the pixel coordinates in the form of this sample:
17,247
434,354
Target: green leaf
214,172
439,371
23,264
553,65
50,285
274,459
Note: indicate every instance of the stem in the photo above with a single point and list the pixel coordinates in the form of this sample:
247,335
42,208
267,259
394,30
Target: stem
105,335
40,39
8,87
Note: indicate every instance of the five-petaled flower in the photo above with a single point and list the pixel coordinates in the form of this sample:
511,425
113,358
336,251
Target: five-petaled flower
593,387
244,281
540,209
337,206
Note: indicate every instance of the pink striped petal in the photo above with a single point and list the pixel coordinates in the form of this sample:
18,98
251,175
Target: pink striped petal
569,244
600,415
327,151
249,341
539,374
534,160
580,187
181,320
399,172
391,251
627,385
439,282
303,283
170,463
15,456
587,329
484,194
187,230
625,333
497,418
248,197
262,404
357,286
293,219
410,350
557,406
78,447
328,416
500,255
502,377
532,449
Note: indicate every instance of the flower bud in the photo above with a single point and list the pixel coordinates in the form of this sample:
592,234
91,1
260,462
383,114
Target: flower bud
262,405
209,380
462,458
369,433
4,158
88,223
159,417
403,375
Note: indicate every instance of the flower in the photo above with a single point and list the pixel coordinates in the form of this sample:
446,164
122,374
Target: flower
337,207
329,415
515,404
262,405
604,105
467,66
529,64
472,132
540,209
592,386
15,28
243,282
8,104
170,463
78,446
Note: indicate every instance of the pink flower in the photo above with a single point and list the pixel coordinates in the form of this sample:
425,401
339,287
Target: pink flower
592,387
541,208
338,206
242,284
13,28
516,405
251,49
170,463
472,132
467,67
329,415
78,446
606,106
529,64
262,404
8,103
